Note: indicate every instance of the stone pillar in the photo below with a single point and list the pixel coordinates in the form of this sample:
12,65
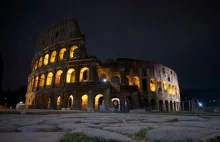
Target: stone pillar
189,105
122,104
158,104
90,101
107,100
62,99
77,73
169,106
124,79
91,72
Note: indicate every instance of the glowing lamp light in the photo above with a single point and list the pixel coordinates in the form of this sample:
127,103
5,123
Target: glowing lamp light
21,102
200,104
104,80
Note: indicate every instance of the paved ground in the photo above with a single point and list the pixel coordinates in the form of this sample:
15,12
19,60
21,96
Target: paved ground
111,126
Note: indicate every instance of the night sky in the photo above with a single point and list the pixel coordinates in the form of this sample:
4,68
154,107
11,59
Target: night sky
180,35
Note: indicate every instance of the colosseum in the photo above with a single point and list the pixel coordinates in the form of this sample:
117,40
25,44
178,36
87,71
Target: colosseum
65,76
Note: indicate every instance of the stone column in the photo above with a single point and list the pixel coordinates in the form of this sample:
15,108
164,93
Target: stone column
107,100
77,73
53,78
90,101
169,106
91,72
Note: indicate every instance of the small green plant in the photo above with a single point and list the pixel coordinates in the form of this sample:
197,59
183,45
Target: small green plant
140,135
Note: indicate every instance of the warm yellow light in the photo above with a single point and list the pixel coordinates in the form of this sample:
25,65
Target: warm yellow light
169,89
35,66
97,101
36,82
42,79
62,51
173,90
58,77
159,84
53,56
72,49
70,98
152,85
40,62
70,77
48,104
84,74
32,84
84,102
165,85
49,79
46,58
58,101
136,81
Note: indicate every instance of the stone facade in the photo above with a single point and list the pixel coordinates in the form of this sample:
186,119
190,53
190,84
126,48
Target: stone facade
64,76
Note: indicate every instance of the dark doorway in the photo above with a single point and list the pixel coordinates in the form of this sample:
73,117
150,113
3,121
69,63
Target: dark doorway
161,105
167,105
144,84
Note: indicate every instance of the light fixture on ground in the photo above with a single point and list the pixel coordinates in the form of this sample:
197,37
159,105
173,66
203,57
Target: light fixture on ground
104,80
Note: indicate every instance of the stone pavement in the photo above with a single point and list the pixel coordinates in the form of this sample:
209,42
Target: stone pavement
109,126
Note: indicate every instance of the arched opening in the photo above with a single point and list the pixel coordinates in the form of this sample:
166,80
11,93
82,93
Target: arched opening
36,82
98,101
153,104
173,90
42,79
165,86
174,106
40,62
49,79
84,102
137,82
35,66
171,106
84,74
144,84
58,77
152,85
48,104
70,101
46,58
58,102
159,85
70,77
116,103
169,89
72,51
161,105
129,102
61,54
167,105
115,79
53,56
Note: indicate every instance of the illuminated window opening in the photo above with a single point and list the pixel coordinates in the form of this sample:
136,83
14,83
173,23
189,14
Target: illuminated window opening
36,82
72,50
40,62
70,77
35,66
49,79
58,77
70,101
46,58
84,74
62,51
53,56
152,85
97,101
169,89
84,102
165,85
58,101
137,82
173,90
42,79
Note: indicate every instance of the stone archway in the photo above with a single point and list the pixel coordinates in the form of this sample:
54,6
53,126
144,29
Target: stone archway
129,102
171,106
161,105
153,104
58,102
116,103
167,105
98,101
84,102
70,101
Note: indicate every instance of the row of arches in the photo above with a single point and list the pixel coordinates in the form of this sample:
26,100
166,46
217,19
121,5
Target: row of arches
47,80
163,105
46,59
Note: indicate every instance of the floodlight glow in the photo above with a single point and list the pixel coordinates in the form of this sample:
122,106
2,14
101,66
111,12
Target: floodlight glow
200,104
21,102
104,80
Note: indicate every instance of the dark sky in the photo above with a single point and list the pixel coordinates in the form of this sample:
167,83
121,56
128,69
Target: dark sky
180,35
